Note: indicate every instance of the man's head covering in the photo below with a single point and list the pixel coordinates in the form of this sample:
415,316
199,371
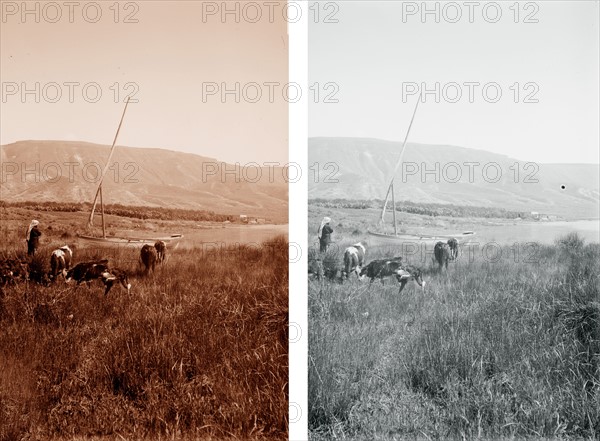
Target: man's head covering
33,223
324,222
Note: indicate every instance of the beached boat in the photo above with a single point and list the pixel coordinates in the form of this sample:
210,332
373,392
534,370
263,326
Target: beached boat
172,239
396,237
464,237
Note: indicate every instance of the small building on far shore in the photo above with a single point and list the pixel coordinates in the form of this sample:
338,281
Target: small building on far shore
252,220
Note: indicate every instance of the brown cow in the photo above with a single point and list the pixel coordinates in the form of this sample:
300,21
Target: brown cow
441,252
453,244
148,258
161,250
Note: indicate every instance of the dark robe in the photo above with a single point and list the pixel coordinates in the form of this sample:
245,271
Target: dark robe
34,240
325,237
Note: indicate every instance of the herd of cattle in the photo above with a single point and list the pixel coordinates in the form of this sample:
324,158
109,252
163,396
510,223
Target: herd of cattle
61,259
354,257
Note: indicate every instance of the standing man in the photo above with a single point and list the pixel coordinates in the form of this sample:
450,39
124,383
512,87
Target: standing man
33,237
325,234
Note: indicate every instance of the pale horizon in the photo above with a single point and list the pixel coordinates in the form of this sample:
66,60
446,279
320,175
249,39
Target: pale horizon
373,50
168,57
173,149
119,144
448,145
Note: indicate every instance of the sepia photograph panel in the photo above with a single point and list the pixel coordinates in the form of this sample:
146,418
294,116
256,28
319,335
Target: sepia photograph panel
453,220
144,220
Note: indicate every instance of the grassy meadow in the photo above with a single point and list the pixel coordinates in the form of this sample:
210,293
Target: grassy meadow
502,348
197,350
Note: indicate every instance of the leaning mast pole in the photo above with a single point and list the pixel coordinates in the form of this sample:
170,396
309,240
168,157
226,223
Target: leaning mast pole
391,186
99,190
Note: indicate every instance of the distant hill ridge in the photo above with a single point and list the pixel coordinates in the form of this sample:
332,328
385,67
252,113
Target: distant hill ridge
361,169
67,171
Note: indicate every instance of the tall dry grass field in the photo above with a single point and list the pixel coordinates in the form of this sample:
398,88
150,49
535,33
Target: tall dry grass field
197,350
501,349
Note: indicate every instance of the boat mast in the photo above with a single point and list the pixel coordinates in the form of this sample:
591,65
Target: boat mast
394,211
99,190
391,186
103,224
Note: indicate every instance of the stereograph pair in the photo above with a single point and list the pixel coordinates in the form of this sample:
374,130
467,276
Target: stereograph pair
316,220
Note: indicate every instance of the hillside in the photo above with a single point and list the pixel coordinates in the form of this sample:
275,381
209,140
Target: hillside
362,169
65,171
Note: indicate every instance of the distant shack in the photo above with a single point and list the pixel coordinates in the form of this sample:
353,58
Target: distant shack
252,220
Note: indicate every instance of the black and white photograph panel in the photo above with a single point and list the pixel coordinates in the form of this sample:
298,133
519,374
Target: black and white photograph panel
143,220
453,220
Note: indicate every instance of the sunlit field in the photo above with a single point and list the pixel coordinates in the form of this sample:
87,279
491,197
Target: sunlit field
502,348
197,350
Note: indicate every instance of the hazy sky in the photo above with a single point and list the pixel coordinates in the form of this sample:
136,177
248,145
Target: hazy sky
170,54
375,48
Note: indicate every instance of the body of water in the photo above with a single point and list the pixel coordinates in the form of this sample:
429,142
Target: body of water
541,232
234,234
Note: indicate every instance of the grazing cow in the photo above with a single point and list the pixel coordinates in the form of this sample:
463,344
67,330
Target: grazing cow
453,244
161,250
393,267
441,252
354,257
115,275
409,272
60,262
88,271
381,268
148,258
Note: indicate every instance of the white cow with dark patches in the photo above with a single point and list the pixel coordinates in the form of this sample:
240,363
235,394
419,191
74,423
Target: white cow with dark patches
381,268
407,273
393,267
112,276
60,262
99,270
354,257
